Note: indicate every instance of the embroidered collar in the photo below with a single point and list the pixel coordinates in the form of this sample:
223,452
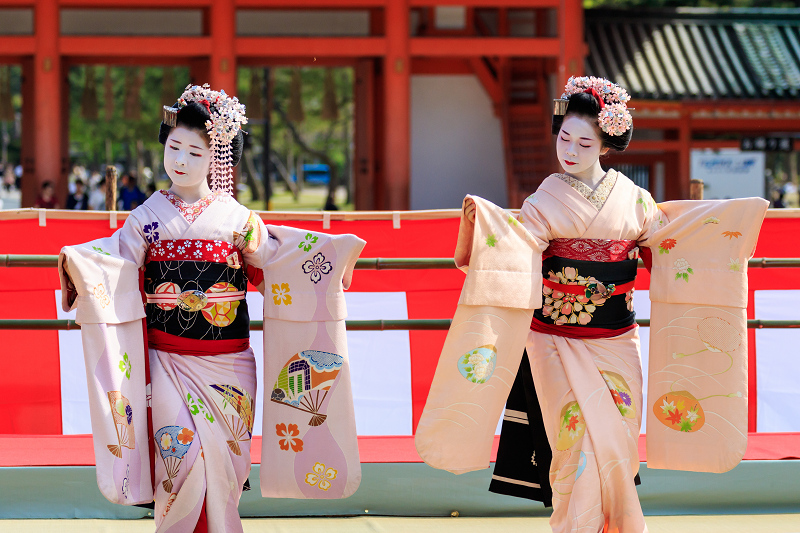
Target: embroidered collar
188,211
598,196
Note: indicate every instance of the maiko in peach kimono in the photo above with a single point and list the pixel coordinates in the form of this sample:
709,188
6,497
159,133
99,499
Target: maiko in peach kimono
560,285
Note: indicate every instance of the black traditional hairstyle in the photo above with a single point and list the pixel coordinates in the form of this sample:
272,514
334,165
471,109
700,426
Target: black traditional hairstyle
585,105
194,116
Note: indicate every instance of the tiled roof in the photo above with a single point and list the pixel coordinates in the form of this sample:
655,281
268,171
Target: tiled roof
696,53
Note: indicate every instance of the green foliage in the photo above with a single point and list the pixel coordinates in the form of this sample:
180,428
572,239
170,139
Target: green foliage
88,137
320,134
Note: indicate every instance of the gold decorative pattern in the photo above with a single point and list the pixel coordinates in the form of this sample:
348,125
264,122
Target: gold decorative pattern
596,197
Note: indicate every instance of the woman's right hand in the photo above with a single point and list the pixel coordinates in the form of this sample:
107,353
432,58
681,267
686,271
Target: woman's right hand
469,209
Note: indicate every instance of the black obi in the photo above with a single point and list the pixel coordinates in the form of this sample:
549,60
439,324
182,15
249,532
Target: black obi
612,312
219,321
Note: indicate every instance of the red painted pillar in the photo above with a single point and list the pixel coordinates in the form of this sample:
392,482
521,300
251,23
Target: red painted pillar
571,37
222,25
47,114
397,107
684,156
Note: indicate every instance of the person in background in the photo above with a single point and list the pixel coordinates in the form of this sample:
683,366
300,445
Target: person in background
78,200
47,199
97,198
151,189
130,197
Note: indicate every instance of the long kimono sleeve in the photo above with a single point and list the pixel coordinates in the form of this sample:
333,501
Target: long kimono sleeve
482,351
104,281
697,384
310,446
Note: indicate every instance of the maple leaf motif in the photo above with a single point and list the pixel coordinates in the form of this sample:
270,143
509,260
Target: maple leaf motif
686,426
573,421
731,234
616,396
674,416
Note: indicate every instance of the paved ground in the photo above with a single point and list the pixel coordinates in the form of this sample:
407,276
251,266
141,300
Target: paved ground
779,523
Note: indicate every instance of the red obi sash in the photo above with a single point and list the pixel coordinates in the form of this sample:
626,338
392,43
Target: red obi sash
604,250
577,332
166,342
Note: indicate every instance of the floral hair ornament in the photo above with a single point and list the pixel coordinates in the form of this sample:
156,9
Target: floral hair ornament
227,119
614,117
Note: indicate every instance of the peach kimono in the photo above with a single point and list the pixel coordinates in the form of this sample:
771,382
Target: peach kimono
573,314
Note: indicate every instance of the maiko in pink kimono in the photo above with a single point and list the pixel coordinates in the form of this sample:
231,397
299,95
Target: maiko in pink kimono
558,282
166,334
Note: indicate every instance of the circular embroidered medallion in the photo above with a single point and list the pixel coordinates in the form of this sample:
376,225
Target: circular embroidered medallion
220,314
477,365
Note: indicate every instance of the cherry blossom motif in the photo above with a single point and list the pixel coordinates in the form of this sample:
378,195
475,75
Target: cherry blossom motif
281,294
185,436
316,267
289,437
565,308
321,477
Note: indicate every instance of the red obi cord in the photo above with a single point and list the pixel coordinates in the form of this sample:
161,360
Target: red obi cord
581,289
602,250
166,342
577,332
193,250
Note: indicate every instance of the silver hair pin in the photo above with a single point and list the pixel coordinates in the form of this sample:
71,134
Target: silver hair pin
170,116
560,106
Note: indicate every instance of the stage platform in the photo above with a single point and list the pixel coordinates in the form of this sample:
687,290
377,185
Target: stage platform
780,523
45,477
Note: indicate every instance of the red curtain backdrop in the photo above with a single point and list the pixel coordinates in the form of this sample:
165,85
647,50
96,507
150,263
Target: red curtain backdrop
29,366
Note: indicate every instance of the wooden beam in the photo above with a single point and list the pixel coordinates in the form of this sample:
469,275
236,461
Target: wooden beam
139,46
526,4
744,125
17,46
484,46
133,4
310,46
714,144
490,81
653,146
319,4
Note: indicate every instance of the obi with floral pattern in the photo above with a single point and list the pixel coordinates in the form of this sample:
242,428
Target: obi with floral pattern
587,283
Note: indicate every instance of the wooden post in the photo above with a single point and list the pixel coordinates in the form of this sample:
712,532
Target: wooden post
571,40
222,24
47,116
111,188
684,154
696,190
397,122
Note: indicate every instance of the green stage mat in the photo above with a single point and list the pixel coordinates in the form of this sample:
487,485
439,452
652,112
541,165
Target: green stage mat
415,489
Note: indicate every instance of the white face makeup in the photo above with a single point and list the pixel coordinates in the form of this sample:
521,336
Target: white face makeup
186,160
579,147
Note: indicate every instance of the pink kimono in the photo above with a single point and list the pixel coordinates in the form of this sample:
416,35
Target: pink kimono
195,262
583,344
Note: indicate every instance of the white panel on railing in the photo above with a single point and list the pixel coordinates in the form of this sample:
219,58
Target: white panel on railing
778,363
